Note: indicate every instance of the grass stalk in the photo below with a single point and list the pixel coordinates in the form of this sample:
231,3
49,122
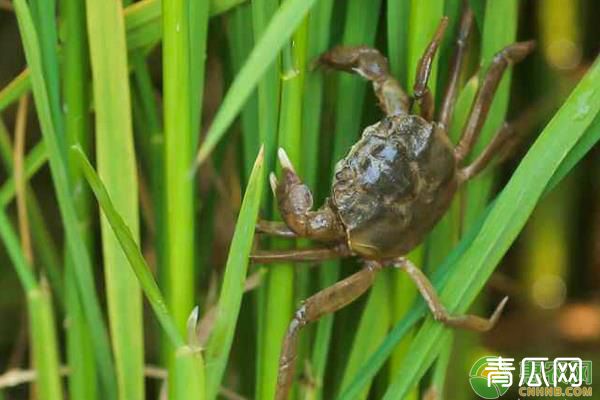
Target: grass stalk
76,73
44,244
117,168
240,39
20,181
268,115
43,13
179,108
179,139
41,318
15,89
85,283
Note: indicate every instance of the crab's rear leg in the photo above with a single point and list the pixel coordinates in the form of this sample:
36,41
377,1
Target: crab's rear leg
501,139
421,93
447,108
326,301
485,95
372,65
471,322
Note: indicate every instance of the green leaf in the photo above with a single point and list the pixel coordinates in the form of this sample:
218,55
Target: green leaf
282,25
58,168
116,160
232,289
187,359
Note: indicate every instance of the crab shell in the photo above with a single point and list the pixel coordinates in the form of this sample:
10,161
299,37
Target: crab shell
394,185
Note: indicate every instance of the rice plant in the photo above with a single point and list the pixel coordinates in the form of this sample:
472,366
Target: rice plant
136,139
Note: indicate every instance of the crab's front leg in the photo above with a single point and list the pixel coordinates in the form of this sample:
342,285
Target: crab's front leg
372,65
295,202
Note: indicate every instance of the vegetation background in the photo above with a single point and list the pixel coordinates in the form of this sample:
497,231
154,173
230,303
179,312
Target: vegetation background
139,88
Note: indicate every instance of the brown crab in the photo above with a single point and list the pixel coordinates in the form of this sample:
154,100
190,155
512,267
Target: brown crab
390,190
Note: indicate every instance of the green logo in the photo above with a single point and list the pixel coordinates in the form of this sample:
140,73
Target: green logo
482,385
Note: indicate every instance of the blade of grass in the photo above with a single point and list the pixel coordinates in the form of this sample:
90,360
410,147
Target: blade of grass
41,318
263,16
131,249
43,13
240,38
45,344
439,374
76,89
425,16
117,168
505,220
398,14
15,89
230,298
277,33
187,380
198,26
58,169
44,243
441,276
36,158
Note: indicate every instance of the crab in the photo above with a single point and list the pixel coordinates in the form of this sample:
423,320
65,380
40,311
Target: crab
392,187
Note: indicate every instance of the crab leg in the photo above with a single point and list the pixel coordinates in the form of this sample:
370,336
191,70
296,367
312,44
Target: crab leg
299,255
326,301
275,228
471,322
371,65
505,57
421,92
452,88
498,141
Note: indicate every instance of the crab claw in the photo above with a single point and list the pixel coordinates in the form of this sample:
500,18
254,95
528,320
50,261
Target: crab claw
497,313
284,160
273,182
